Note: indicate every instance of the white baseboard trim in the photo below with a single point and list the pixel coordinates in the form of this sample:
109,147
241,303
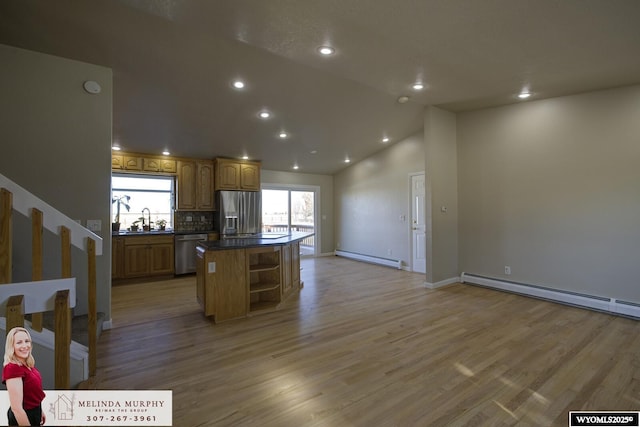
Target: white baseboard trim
396,263
440,284
327,254
609,305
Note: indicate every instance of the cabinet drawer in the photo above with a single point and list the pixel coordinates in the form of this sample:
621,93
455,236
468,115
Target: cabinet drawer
147,240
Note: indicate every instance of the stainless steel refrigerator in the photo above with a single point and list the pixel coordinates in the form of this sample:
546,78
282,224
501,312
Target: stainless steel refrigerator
239,212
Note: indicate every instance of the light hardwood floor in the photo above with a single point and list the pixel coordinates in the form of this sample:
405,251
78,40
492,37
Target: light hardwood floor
364,345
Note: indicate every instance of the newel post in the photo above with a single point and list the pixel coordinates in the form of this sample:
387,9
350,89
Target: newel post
62,346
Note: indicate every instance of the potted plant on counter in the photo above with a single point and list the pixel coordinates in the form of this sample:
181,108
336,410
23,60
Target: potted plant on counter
134,225
119,201
162,224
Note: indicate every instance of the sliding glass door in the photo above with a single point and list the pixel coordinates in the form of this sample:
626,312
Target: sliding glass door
286,210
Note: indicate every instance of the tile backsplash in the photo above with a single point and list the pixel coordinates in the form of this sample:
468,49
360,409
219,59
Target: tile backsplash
193,221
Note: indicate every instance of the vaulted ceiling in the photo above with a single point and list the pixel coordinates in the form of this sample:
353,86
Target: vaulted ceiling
174,62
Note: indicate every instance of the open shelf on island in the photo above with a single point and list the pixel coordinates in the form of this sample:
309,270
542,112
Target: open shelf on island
263,265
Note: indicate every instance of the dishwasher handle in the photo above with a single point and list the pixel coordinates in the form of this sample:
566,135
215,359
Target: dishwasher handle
187,237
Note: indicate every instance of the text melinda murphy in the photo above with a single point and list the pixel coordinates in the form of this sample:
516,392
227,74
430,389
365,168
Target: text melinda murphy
104,407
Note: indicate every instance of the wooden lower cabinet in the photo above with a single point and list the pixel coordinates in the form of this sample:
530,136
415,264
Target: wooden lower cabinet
240,282
221,283
295,266
290,269
117,258
147,256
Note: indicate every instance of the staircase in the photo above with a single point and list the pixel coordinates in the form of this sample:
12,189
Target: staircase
45,305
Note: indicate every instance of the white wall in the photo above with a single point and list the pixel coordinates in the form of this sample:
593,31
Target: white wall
552,189
371,195
442,191
325,182
56,143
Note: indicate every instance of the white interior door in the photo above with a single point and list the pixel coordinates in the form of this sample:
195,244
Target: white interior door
418,232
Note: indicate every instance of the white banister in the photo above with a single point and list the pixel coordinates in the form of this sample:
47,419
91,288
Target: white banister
24,201
38,296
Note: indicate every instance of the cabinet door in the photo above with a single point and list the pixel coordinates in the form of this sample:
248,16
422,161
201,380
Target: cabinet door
159,165
136,260
117,161
227,175
286,270
132,163
204,191
117,258
250,176
225,285
162,260
295,265
186,185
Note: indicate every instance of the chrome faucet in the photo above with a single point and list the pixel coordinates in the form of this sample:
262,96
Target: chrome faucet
149,215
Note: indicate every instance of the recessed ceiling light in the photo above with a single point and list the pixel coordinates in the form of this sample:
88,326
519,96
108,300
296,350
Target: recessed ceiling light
264,114
238,84
245,157
116,148
166,152
326,50
314,151
283,135
385,139
296,167
417,86
347,160
403,99
524,95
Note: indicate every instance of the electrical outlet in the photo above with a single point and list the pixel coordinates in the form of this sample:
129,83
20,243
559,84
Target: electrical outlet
212,267
507,270
389,252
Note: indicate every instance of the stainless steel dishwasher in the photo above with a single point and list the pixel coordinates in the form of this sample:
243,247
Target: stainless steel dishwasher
185,252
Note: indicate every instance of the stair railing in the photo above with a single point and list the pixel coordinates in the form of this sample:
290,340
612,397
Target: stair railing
15,198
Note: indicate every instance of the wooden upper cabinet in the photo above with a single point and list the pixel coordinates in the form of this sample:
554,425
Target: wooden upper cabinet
195,185
250,176
140,162
159,165
204,189
126,162
186,185
237,175
227,174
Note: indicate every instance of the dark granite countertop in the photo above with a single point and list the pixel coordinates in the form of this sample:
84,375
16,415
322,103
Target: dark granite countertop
158,232
141,233
263,239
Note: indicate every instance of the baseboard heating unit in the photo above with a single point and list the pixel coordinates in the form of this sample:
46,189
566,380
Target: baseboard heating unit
610,305
371,259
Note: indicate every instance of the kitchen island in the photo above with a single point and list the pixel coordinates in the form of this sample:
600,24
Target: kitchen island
239,277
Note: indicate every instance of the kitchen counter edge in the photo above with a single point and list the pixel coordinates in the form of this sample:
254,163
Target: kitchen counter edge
243,243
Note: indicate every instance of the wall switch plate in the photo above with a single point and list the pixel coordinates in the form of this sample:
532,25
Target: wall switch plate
507,270
212,267
94,224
